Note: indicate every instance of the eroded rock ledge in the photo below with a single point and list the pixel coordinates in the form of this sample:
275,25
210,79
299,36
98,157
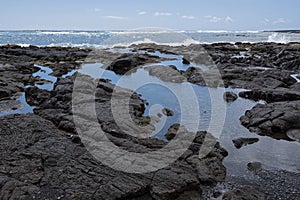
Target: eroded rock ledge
39,161
277,120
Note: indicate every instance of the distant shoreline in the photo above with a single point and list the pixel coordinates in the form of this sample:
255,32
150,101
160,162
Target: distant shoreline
285,31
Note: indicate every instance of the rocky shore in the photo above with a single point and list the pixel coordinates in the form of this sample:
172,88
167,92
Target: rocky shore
43,157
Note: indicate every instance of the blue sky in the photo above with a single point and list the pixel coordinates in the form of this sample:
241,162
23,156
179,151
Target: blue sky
132,14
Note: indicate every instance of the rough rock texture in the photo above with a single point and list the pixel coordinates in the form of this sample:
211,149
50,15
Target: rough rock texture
230,96
38,160
274,119
261,66
186,174
240,142
166,73
56,105
271,95
13,78
127,63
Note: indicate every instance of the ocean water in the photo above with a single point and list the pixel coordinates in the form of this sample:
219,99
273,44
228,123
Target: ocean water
125,38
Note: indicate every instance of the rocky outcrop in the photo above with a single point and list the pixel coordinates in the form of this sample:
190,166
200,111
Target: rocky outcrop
240,142
186,175
128,63
274,119
166,73
272,95
230,96
40,161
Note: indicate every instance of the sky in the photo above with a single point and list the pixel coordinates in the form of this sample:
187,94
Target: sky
135,14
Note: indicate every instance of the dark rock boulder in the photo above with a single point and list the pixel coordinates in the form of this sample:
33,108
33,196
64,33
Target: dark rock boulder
269,96
4,94
230,96
274,119
172,132
167,112
128,62
185,61
166,73
240,142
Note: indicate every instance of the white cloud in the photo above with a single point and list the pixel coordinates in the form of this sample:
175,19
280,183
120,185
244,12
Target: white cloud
188,17
275,22
142,13
228,19
215,19
157,14
280,21
114,17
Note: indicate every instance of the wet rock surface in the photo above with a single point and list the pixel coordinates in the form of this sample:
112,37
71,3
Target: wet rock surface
240,142
230,96
43,157
274,119
39,161
128,63
166,73
56,164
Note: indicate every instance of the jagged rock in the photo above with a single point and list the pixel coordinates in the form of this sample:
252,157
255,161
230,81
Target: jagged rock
128,62
271,95
167,112
40,161
274,119
230,96
166,73
240,142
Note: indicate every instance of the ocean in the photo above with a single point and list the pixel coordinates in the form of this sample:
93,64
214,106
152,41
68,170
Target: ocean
124,38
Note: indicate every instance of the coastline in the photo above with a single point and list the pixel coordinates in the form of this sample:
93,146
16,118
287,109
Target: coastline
237,70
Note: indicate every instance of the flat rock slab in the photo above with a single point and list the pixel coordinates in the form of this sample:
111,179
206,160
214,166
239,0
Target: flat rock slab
39,161
274,119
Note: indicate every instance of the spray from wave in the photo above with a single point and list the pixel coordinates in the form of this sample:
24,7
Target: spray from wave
279,38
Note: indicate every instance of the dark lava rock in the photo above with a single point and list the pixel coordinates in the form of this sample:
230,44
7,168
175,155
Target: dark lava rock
185,61
230,96
294,134
209,78
42,54
240,142
182,178
17,65
39,161
269,96
4,94
167,112
244,193
166,73
274,119
13,78
172,131
127,62
254,166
